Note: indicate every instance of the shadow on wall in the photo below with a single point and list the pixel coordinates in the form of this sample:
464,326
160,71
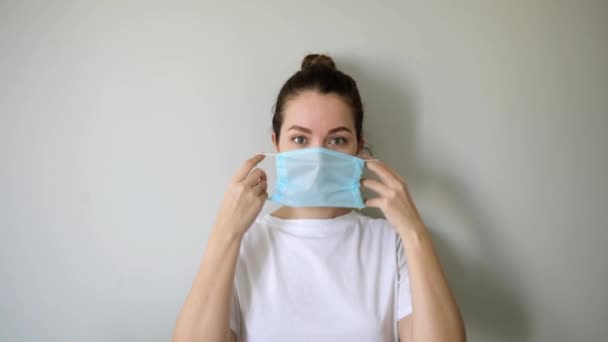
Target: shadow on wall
489,307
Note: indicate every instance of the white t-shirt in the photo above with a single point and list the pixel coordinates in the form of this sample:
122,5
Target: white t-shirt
339,279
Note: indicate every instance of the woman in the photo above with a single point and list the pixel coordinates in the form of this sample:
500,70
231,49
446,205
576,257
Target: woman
319,273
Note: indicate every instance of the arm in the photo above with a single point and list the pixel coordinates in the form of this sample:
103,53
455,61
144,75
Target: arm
436,317
206,312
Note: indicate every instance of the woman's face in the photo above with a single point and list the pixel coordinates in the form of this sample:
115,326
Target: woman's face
312,119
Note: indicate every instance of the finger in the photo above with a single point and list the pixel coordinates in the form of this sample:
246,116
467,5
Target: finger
254,177
375,186
264,195
375,202
365,155
386,175
246,168
260,188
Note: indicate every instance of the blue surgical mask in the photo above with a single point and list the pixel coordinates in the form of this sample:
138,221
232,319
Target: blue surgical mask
318,177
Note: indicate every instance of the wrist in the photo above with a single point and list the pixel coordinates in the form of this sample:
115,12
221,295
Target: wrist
411,226
227,232
412,232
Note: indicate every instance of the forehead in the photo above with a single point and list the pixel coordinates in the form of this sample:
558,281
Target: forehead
317,111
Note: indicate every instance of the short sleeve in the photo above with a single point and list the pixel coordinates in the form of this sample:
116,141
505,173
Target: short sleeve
235,313
404,296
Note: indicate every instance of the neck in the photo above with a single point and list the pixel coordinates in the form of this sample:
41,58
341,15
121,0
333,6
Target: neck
310,213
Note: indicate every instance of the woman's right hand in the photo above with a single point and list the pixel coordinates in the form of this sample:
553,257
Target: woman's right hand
244,198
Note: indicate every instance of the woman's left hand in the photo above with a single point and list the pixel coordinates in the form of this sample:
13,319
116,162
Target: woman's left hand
394,199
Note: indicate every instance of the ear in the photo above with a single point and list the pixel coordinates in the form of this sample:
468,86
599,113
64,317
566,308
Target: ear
275,141
360,145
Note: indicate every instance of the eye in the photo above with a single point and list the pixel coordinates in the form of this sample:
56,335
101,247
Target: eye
338,141
299,139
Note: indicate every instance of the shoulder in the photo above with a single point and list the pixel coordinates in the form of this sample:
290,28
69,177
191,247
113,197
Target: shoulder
382,227
379,230
375,225
257,232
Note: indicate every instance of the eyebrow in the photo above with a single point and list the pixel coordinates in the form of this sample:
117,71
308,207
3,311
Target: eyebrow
333,130
300,128
338,129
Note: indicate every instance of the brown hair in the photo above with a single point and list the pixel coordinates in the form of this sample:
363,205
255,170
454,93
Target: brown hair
318,72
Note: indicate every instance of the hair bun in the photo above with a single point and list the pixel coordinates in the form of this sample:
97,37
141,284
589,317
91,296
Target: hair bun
317,59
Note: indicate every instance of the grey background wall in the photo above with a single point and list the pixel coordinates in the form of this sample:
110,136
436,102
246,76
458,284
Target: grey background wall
122,122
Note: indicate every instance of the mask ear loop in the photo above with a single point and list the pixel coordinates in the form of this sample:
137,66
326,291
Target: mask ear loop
369,154
372,160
